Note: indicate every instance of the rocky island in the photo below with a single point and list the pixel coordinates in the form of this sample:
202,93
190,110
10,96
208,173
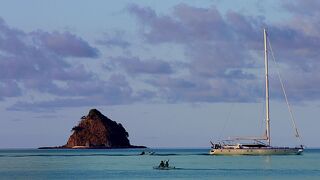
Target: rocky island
96,131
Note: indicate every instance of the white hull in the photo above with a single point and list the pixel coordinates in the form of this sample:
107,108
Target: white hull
257,151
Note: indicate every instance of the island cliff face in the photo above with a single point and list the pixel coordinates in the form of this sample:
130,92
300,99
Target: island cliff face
97,131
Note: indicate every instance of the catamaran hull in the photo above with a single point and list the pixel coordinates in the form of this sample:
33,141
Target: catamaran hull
259,151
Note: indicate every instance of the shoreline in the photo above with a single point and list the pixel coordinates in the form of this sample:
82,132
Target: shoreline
96,147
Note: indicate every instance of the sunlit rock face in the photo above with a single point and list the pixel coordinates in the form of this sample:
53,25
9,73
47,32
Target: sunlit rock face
98,131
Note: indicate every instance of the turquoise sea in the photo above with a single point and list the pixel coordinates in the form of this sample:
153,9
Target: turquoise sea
128,164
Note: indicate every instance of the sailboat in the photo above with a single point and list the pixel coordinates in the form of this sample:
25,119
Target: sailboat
259,145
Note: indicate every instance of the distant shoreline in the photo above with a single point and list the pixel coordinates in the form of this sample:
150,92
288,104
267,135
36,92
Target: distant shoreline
141,147
96,147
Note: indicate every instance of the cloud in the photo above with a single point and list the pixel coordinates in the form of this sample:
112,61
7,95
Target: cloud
64,44
36,60
213,43
116,90
37,63
9,89
296,43
218,49
189,24
114,40
135,66
222,57
195,89
304,8
222,50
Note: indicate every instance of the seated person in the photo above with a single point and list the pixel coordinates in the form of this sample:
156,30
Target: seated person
166,164
161,164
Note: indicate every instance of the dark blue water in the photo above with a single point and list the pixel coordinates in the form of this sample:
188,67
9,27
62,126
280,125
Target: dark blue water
128,164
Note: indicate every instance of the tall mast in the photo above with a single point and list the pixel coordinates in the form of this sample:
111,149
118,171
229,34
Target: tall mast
267,85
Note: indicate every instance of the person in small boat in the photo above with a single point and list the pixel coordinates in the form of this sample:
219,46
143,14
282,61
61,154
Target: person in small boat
166,164
161,165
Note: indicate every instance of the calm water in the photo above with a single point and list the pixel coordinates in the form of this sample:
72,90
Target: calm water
127,164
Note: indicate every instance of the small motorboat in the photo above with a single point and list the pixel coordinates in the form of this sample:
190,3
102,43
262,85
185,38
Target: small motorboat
164,168
147,153
164,165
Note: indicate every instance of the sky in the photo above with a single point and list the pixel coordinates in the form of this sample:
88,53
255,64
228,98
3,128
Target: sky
174,73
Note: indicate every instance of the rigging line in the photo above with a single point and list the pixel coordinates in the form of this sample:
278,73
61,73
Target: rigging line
285,95
226,122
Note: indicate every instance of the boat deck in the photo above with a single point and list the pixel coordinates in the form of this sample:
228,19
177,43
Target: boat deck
257,151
